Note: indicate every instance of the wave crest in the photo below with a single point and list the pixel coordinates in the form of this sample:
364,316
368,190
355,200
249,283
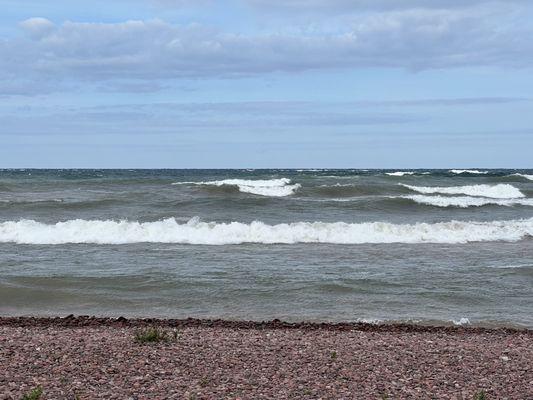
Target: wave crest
499,191
399,173
212,233
468,171
466,201
528,177
271,187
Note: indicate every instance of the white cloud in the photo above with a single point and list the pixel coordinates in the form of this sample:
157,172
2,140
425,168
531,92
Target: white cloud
155,50
37,27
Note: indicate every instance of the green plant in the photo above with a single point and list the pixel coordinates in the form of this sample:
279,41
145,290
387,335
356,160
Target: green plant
204,382
481,395
34,394
154,334
333,355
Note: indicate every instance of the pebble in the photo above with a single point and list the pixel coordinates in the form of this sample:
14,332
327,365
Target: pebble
230,360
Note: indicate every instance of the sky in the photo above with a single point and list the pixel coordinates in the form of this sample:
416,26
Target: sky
266,84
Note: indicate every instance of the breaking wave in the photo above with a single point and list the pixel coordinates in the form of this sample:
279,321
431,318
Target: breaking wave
466,201
212,233
529,177
404,173
271,187
500,191
468,171
399,173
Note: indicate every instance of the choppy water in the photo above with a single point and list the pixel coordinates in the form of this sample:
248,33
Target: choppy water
421,245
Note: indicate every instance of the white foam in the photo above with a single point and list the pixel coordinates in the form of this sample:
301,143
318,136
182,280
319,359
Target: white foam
371,321
21,201
466,201
399,173
468,171
212,233
530,177
271,187
340,185
461,321
500,191
511,266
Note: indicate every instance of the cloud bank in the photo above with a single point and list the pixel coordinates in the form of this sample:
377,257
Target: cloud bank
475,34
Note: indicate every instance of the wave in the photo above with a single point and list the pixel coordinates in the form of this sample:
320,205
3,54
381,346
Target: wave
17,201
399,173
468,171
500,191
212,233
403,173
466,201
271,187
529,177
338,185
513,266
341,190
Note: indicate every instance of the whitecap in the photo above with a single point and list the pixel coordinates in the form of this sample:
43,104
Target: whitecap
270,187
529,177
466,201
499,191
340,185
399,173
213,233
468,171
404,173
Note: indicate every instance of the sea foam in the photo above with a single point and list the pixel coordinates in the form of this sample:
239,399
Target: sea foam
461,321
270,187
468,171
399,173
212,233
466,201
500,191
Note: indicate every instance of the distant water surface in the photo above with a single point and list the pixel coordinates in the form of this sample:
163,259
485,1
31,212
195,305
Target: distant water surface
430,246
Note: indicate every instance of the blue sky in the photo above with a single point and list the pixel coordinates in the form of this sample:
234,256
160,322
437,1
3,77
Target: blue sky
257,83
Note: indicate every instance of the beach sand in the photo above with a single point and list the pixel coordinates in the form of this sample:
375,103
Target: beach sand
93,358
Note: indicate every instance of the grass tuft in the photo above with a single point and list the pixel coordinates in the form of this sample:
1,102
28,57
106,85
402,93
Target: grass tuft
154,334
34,394
204,382
481,395
333,355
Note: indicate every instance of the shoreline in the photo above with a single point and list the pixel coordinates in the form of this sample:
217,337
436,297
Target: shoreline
72,320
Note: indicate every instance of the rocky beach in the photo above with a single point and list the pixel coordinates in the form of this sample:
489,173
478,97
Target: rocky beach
92,358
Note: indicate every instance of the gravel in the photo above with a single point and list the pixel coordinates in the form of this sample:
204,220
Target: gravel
97,358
